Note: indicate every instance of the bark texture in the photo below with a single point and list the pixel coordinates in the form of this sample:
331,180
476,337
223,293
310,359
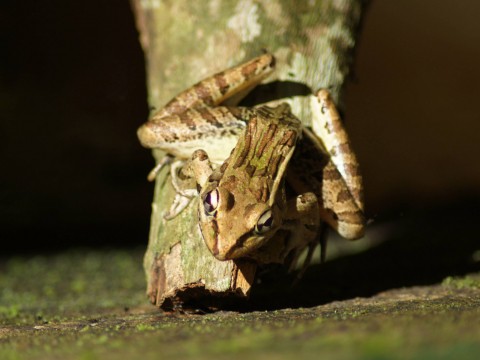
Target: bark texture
185,41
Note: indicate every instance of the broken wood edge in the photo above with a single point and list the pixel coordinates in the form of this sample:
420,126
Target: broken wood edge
167,290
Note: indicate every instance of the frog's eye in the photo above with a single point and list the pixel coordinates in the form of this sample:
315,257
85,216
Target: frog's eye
265,222
210,202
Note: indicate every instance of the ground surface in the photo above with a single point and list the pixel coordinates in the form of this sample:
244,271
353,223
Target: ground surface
90,304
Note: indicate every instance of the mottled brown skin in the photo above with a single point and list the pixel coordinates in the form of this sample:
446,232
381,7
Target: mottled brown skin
340,187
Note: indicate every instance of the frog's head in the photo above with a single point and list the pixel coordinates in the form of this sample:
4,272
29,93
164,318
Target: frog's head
234,226
243,202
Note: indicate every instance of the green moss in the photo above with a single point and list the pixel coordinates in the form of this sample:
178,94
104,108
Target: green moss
144,327
45,289
360,329
466,282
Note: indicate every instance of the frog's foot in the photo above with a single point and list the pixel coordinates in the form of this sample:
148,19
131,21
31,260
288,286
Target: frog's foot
308,259
304,227
179,203
322,239
167,159
183,188
321,235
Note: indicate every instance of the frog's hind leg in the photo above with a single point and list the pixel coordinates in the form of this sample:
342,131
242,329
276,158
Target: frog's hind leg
327,125
217,89
342,189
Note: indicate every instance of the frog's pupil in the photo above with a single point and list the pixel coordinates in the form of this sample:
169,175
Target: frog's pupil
268,222
265,222
211,202
266,225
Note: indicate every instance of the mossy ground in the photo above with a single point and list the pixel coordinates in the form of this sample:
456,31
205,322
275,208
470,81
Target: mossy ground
92,305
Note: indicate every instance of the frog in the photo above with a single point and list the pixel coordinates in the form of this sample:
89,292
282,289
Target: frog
243,203
237,161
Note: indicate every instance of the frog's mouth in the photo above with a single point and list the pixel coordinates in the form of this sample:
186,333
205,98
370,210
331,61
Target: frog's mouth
243,247
210,236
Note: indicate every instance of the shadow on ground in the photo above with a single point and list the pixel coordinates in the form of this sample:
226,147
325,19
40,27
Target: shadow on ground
423,247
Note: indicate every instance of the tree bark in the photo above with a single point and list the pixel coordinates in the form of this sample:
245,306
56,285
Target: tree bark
185,41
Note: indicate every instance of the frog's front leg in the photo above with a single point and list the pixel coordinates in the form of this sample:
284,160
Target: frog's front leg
299,230
167,159
303,220
187,178
184,187
342,188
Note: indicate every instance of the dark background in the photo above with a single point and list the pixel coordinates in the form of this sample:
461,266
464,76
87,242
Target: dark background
72,93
